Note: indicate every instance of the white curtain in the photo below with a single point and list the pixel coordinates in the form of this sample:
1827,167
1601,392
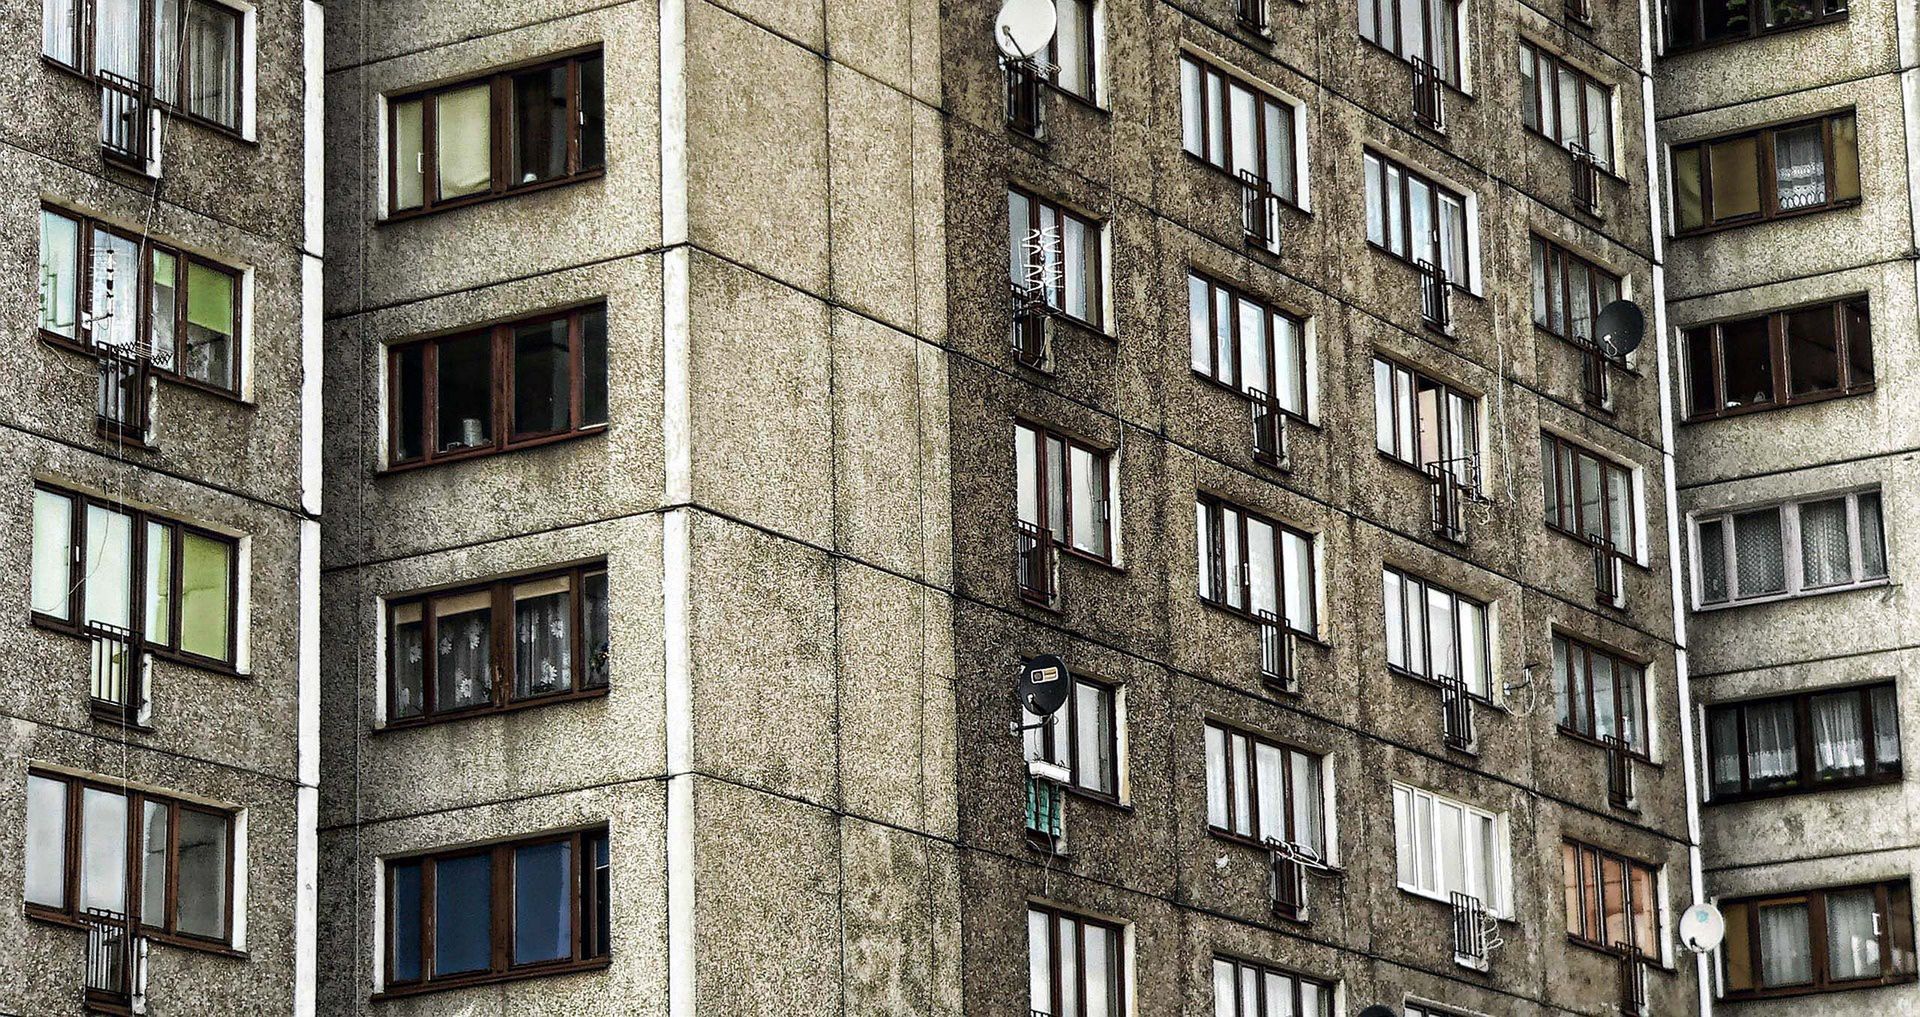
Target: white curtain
1757,553
1824,553
542,647
1800,167
116,37
1839,745
1771,747
1886,727
1784,955
463,674
1853,948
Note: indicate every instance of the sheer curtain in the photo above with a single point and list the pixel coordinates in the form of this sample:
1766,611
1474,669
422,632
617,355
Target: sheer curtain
463,674
1757,553
1800,167
1886,727
1772,750
1723,736
1784,955
1853,948
542,643
1839,744
1824,553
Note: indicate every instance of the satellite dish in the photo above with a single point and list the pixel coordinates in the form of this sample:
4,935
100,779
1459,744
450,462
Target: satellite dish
1024,28
1619,328
1377,1010
1702,928
1044,685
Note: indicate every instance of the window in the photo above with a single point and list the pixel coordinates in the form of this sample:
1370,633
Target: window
1568,290
1075,49
1818,940
1779,359
100,286
1246,989
508,131
1787,550
1435,633
1255,565
1074,967
1426,30
526,907
1443,846
497,646
186,51
1415,219
1055,255
1765,174
1237,128
1588,495
499,388
100,566
1425,423
1566,106
1807,742
1613,903
1083,738
1065,487
1246,344
1599,695
1262,791
1416,1008
1694,23
165,863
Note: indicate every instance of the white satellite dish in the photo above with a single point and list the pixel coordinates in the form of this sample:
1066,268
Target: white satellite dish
1702,928
1024,28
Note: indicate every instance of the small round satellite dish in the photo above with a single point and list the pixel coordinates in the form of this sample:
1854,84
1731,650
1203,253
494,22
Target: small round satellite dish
1378,1010
1619,327
1024,28
1044,685
1702,928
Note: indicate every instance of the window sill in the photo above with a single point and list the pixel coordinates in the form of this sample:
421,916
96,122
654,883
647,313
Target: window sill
1608,171
483,452
1810,788
1448,85
1446,902
1699,47
1486,701
1776,598
78,348
1761,219
1580,539
1579,736
1294,419
1820,990
396,216
1245,615
50,916
490,978
1653,963
1618,365
1242,840
1452,286
1753,408
172,114
171,656
1085,102
1096,798
515,706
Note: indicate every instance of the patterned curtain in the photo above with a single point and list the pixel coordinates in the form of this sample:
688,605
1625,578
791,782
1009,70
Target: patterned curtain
463,674
1824,554
542,644
1800,168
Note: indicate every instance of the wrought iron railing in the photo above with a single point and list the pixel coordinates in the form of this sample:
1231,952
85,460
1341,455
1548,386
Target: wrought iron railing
1026,97
1259,212
116,963
1287,884
1436,303
1586,181
120,404
1254,15
1619,774
1633,987
1475,933
1269,429
126,120
1429,95
1456,713
1596,382
1608,576
1278,653
1032,329
115,672
1033,561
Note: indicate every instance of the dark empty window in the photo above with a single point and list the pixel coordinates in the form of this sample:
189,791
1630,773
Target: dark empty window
1765,174
499,388
1692,23
1806,742
1780,358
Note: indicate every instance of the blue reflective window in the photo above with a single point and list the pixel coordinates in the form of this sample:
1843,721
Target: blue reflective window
542,905
463,915
406,923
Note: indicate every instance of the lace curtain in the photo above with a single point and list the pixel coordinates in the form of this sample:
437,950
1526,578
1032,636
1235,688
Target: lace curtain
1757,553
1771,746
462,664
1824,554
1839,744
1800,168
542,644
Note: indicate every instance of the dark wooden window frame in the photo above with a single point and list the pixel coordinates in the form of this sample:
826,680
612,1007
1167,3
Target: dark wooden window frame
1408,177
1570,485
1096,242
1043,504
1288,175
1253,741
1779,353
1416,376
500,646
1069,730
1560,298
500,386
82,41
1544,58
1216,370
1580,654
168,929
1755,26
1486,635
1295,1004
1453,77
1793,565
82,342
500,137
1805,779
1768,182
75,622
583,901
1591,901
1216,509
1815,901
1057,920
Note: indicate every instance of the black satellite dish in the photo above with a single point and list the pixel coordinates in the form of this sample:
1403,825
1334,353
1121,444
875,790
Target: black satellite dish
1044,685
1619,328
1378,1010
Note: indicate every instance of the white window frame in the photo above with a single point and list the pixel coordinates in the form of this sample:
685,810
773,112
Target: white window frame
1790,550
1495,885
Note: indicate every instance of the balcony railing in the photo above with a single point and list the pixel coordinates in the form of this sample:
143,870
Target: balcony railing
1032,329
1619,774
121,404
127,121
1026,97
1046,811
1608,575
1259,212
1596,381
1436,303
1580,12
1287,883
1586,181
1633,984
116,673
116,964
1269,430
1475,932
1456,713
1448,497
1033,562
1279,656
1254,16
1429,96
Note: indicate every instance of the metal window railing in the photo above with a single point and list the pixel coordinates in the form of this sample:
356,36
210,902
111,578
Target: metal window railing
115,673
1475,932
1436,297
1279,656
1456,713
121,397
1429,95
1633,987
1619,774
1452,483
1608,576
1032,329
1033,562
1269,429
1596,375
126,120
1254,15
1026,97
1259,212
1586,181
116,963
1287,884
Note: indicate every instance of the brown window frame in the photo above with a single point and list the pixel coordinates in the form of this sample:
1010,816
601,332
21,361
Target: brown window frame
584,900
1461,275
1641,747
501,132
1283,182
1533,112
82,339
1575,524
1295,1003
1215,594
1453,74
1768,182
85,64
1805,779
138,519
1090,57
1711,337
1695,13
1417,381
1045,485
1253,742
1095,231
1057,920
1057,738
1587,908
500,388
1892,899
1229,376
168,929
501,641
1479,687
1556,287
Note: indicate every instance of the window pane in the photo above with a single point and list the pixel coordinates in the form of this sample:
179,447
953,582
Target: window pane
463,915
115,305
1646,902
463,671
1039,962
1191,98
1102,964
1886,727
1736,177
1713,562
1307,806
410,381
598,648
408,668
59,272
1800,167
1873,543
154,833
1271,808
163,309
1072,43
1088,472
103,851
208,355
1826,556
1628,680
1773,747
57,30
1853,941
108,565
601,942
542,365
213,46
1839,741
540,125
405,945
1703,390
409,148
1723,749
542,637
1813,355
464,384
1242,776
1395,619
1216,777
1473,643
1859,343
116,37
1688,210
1846,159
1613,899
593,119
1758,554
206,609
52,554
203,873
1261,562
1449,825
1297,552
542,903
1747,359
593,357
464,139
1093,723
1785,954
46,847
